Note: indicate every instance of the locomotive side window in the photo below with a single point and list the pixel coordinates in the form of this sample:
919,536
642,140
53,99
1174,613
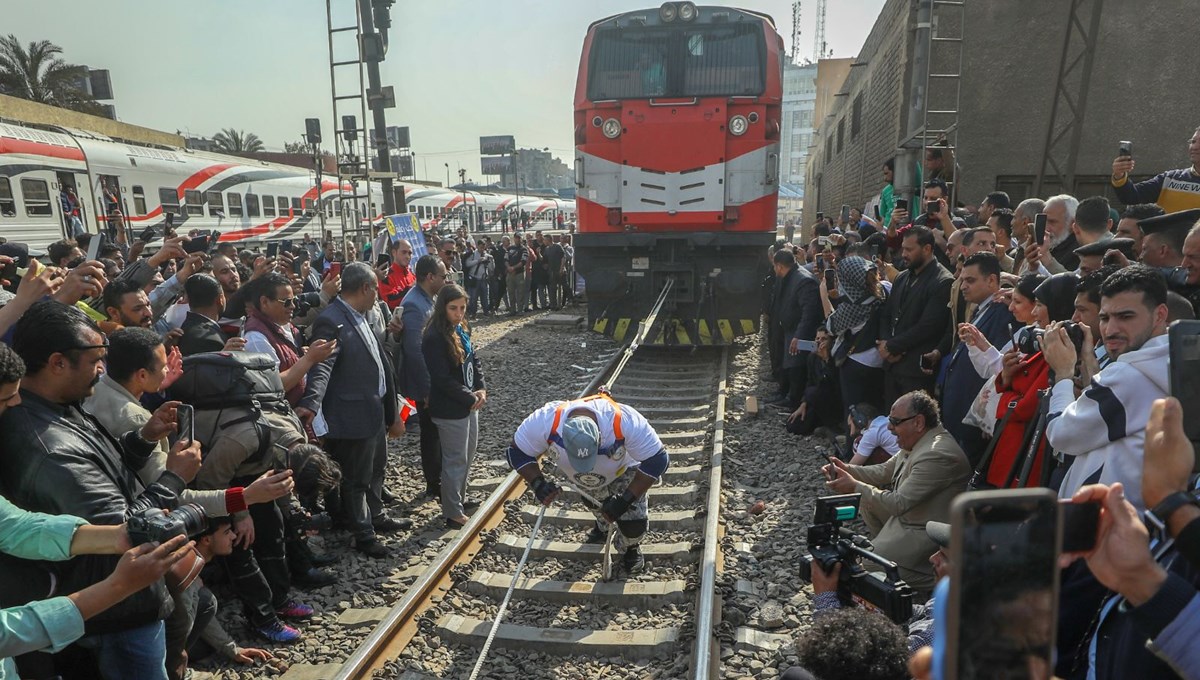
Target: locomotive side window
283,205
268,206
8,205
235,204
193,202
139,200
252,205
216,203
677,61
37,198
308,206
296,204
169,200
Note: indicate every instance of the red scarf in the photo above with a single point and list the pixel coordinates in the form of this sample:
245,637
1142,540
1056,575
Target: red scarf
285,349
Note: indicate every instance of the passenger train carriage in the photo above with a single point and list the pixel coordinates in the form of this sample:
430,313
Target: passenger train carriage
245,199
677,125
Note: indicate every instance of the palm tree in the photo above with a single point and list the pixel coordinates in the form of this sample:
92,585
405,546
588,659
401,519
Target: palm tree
231,140
37,73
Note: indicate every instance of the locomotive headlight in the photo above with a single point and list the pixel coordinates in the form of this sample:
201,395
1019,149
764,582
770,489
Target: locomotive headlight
687,11
668,12
612,128
738,125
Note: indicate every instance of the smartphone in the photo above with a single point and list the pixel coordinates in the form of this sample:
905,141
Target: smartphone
93,250
273,249
298,266
1183,338
285,246
820,216
335,269
185,423
820,263
1081,523
845,213
384,260
806,345
927,364
931,208
1125,149
830,279
147,235
878,216
196,244
213,238
1002,600
901,204
1039,229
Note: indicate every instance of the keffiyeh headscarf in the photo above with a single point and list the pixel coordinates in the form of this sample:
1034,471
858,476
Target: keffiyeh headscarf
860,302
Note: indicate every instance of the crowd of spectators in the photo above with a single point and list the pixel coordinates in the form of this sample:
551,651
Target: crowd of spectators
1004,360
250,394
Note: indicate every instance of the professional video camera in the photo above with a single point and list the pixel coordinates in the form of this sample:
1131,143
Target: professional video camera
152,525
1028,340
830,543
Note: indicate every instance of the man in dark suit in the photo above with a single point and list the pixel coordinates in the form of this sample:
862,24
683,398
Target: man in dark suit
979,283
796,316
201,332
351,402
915,317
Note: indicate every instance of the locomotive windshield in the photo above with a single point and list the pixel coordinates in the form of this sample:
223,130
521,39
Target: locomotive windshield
677,61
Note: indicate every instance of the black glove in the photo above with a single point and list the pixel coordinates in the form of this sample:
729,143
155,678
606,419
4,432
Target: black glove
545,490
615,506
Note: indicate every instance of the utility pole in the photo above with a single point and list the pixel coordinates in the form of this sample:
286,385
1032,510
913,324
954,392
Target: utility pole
376,14
462,183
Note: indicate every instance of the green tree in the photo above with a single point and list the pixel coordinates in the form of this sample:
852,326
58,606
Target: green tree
296,147
231,140
37,72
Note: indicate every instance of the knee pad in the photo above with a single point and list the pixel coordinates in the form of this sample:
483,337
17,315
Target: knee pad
633,528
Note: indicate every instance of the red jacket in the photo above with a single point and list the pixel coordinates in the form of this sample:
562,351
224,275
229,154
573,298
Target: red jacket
393,286
1033,375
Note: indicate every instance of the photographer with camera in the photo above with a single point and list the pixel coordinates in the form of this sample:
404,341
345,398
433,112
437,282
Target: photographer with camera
920,626
1103,430
57,459
913,487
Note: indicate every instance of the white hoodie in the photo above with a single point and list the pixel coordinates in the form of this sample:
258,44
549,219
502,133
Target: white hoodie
1106,425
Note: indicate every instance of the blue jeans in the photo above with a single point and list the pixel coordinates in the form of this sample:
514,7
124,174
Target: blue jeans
137,654
479,292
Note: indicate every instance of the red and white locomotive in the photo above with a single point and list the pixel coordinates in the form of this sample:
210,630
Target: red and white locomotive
677,124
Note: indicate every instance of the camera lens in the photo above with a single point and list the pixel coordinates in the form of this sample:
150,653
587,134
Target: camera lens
193,519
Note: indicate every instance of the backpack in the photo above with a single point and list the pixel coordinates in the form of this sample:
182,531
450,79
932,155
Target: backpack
218,380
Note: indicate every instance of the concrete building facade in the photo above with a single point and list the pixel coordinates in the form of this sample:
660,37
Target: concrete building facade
799,100
1141,89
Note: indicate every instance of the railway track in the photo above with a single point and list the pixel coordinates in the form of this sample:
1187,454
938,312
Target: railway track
561,606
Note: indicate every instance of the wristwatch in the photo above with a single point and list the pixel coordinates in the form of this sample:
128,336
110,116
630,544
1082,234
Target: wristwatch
1161,513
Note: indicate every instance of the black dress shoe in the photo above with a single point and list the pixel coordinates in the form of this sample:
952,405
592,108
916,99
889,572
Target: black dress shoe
313,578
372,548
324,560
388,497
389,525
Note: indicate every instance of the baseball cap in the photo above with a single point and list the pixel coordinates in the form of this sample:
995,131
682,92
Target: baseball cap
582,439
19,252
939,532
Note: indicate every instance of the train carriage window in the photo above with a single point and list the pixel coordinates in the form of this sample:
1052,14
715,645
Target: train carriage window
235,204
169,200
309,206
268,204
328,208
8,205
677,61
252,205
37,198
296,205
282,202
216,203
139,200
193,202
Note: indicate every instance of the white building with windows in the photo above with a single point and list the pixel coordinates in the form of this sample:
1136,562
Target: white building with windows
799,100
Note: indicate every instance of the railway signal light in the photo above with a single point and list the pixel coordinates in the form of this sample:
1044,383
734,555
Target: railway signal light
349,128
312,129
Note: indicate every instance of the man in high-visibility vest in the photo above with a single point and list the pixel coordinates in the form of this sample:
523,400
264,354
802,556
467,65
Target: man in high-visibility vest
608,450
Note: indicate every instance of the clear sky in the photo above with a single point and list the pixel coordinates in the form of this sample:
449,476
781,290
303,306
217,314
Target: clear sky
461,68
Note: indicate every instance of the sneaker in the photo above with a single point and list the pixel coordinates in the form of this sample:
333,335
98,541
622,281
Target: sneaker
372,548
595,536
388,525
313,578
279,632
633,560
295,610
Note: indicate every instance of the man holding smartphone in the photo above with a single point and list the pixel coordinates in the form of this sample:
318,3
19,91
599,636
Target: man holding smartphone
1174,190
797,314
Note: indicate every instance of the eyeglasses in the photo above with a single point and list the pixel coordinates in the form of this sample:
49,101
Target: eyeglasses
897,422
290,302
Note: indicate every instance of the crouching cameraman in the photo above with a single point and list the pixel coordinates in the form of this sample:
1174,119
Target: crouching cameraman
920,626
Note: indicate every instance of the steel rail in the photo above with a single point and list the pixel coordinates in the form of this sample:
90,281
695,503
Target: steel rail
372,652
702,657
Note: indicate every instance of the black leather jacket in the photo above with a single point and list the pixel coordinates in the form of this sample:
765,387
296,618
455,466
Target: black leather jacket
60,460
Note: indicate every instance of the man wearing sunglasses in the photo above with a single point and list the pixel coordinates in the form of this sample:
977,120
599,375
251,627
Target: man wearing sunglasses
913,487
